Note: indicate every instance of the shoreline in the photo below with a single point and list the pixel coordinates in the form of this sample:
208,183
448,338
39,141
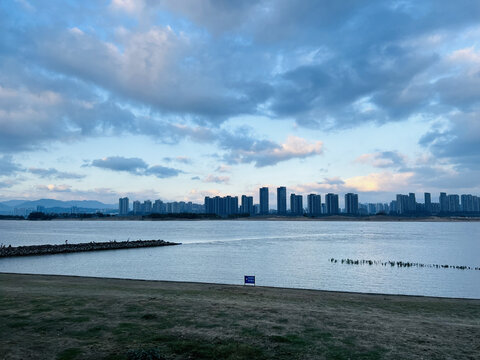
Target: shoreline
70,317
210,284
333,218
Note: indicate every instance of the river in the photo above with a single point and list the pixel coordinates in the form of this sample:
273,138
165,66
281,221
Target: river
279,253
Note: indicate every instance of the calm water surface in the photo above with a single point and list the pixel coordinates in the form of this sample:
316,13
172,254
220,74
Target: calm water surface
280,253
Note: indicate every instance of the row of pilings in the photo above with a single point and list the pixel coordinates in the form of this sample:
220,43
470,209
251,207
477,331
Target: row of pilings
10,251
402,264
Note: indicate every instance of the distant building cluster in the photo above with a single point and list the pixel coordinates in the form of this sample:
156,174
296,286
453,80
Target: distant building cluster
226,206
157,207
447,204
408,205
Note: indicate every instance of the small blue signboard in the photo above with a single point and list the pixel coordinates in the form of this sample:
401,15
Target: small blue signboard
249,279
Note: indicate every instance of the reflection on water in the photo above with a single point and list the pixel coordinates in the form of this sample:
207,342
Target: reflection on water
279,253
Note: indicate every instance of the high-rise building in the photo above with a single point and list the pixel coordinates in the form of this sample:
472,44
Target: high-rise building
428,202
147,207
137,208
314,204
476,204
331,203
123,207
467,203
406,204
231,205
453,203
247,205
158,207
393,206
222,206
443,202
282,200
264,201
412,203
351,203
208,205
296,204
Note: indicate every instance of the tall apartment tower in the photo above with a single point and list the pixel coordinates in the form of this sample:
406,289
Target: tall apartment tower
467,203
314,204
443,202
453,203
428,202
247,205
231,205
412,203
351,204
331,203
147,207
296,204
137,208
123,207
264,201
282,200
158,207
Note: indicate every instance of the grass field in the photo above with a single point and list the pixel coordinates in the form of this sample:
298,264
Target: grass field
60,317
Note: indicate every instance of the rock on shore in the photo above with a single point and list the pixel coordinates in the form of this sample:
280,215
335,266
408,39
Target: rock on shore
10,251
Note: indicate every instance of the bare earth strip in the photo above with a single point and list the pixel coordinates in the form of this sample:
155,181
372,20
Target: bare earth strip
61,317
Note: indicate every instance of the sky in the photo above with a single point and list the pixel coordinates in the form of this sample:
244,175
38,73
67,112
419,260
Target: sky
177,100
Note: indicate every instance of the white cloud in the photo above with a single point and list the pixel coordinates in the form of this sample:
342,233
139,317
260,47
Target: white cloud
268,153
128,6
384,182
55,188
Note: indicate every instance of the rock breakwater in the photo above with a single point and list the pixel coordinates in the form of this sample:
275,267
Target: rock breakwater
10,251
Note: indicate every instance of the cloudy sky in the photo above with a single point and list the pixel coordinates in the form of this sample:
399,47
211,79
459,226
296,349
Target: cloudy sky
181,99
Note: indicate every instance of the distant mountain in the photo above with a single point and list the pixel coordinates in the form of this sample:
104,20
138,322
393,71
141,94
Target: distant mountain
51,203
12,203
4,209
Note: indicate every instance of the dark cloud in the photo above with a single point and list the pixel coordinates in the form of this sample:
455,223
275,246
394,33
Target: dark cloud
74,71
459,143
332,181
326,57
134,166
162,171
8,166
36,109
243,147
54,173
119,163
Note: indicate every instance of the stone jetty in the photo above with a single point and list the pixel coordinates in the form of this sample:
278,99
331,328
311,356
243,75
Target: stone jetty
10,251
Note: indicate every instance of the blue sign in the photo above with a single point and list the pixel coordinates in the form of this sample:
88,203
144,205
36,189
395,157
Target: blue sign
249,279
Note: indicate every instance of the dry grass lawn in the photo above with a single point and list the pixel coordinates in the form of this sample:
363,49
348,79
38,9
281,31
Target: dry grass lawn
61,317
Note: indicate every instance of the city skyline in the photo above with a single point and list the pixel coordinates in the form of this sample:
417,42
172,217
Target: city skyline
178,101
353,199
402,204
